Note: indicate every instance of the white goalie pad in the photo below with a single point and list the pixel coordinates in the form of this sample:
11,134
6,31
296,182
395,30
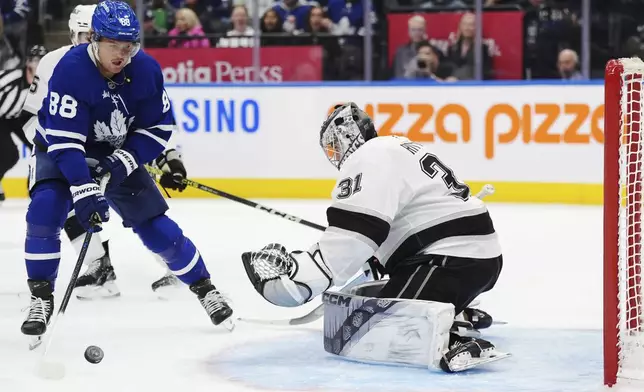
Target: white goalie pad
386,331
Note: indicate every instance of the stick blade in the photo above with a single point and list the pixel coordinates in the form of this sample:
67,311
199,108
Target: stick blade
50,370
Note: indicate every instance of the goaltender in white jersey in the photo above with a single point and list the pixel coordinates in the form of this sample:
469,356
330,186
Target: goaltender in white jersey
398,202
99,279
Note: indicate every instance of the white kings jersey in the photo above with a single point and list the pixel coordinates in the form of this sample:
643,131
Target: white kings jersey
395,199
39,87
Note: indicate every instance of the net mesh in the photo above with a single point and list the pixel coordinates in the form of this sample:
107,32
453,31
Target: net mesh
631,317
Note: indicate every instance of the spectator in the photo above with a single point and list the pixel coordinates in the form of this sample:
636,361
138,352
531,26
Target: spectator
567,64
272,24
293,13
461,52
163,15
154,38
241,36
262,6
319,28
426,65
15,14
417,30
213,14
14,11
8,56
347,16
188,31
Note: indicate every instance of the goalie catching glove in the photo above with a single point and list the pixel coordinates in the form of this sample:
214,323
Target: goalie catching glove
287,279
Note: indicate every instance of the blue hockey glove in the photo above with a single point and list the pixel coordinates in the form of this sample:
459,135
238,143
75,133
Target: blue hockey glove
120,165
90,205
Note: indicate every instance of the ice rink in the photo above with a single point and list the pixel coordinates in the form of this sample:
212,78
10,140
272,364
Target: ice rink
550,293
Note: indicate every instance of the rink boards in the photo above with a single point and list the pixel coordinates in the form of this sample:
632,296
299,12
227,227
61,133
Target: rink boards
536,142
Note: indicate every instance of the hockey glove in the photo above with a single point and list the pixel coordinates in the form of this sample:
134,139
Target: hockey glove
174,171
285,279
90,205
120,165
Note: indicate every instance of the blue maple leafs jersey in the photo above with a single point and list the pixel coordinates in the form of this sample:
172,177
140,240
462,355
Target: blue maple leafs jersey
86,115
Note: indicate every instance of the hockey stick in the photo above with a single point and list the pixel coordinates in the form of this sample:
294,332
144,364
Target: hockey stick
56,370
488,189
225,195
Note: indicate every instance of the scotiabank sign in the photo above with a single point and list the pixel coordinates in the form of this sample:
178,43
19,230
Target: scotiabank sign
215,65
502,32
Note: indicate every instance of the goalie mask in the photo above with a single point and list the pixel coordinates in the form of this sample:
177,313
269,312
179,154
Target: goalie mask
344,131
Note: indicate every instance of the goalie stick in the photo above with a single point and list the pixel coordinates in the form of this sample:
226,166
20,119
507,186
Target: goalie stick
488,189
53,369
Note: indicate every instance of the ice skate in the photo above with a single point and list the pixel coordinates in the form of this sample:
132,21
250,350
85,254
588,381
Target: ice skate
478,318
40,308
98,281
168,287
464,328
214,303
466,353
168,280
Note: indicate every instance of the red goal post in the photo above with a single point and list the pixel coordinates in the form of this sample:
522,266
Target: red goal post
623,187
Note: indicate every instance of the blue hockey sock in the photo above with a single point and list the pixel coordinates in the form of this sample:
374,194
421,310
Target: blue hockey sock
45,217
164,237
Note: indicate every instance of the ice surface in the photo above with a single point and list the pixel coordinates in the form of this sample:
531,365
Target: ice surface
549,293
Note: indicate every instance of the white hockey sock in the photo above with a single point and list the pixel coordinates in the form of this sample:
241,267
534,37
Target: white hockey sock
95,250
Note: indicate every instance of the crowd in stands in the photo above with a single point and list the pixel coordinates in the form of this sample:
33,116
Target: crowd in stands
551,31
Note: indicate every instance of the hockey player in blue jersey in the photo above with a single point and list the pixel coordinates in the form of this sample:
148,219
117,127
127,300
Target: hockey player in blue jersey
106,113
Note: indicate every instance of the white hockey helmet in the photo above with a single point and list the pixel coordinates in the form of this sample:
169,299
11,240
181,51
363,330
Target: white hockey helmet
80,21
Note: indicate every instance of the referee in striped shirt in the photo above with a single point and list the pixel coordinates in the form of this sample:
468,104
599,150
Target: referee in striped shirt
14,86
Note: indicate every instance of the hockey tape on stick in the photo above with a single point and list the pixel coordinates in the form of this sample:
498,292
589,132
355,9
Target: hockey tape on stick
47,368
487,190
225,195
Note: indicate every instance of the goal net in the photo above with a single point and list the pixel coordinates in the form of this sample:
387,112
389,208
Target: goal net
623,208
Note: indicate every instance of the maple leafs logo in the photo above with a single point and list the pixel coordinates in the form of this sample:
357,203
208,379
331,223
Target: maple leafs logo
116,132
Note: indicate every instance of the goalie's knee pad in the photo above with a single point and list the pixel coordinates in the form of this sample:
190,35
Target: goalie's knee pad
389,331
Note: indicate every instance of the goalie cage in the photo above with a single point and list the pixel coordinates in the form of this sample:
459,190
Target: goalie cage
623,187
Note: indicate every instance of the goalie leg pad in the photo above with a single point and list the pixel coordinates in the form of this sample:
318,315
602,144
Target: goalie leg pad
386,331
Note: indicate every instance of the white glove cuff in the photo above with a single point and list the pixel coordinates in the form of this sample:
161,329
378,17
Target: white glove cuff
127,159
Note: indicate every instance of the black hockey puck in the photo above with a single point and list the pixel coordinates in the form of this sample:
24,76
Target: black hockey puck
94,354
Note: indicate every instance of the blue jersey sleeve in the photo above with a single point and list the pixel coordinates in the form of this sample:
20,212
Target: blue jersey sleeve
66,124
153,124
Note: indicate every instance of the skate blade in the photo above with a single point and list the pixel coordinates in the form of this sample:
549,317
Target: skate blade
475,362
34,342
229,324
106,291
171,292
